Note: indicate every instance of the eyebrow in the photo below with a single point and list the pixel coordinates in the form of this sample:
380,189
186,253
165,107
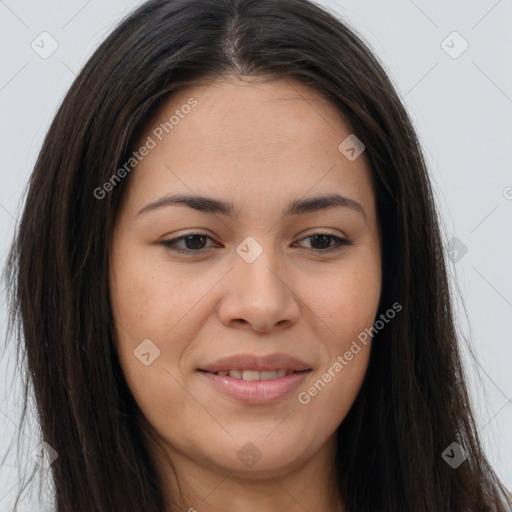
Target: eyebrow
216,206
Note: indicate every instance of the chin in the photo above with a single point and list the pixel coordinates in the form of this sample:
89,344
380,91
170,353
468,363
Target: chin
257,456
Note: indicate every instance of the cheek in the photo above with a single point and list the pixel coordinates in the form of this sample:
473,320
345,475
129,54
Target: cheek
345,301
328,398
147,305
345,308
151,303
141,313
147,300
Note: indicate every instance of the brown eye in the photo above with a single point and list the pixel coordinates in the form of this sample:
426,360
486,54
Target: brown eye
193,243
321,242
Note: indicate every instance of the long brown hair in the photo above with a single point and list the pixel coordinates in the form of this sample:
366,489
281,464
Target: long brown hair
413,403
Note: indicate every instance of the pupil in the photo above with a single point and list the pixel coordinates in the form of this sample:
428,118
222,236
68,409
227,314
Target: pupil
324,238
193,238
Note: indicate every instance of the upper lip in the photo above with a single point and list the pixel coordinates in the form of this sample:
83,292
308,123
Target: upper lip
267,362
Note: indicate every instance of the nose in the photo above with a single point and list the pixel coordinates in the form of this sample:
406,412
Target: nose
258,296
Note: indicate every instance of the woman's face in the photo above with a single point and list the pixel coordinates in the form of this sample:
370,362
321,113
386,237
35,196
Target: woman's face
262,153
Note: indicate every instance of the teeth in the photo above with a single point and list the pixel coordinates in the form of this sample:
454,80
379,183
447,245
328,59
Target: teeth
252,375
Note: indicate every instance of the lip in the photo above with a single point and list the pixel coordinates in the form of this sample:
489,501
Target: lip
267,362
260,391
255,392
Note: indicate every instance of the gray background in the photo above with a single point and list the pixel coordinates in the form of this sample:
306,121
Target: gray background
461,108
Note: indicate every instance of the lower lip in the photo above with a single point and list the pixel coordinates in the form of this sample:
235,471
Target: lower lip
256,392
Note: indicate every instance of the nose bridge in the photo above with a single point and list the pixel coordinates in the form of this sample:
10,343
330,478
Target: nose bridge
257,293
257,268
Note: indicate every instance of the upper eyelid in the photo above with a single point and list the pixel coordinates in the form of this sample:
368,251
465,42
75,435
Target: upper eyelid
300,237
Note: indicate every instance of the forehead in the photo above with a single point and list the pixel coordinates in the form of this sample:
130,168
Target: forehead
256,138
232,113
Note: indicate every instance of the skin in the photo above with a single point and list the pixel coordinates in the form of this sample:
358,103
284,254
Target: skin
258,145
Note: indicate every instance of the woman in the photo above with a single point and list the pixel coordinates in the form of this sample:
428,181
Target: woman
230,282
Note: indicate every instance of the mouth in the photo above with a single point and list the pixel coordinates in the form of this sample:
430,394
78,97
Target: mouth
255,375
254,387
254,378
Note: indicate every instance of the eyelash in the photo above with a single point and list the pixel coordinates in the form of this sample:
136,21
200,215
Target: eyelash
171,244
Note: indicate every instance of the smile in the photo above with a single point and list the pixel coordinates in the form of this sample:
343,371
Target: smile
252,375
252,386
